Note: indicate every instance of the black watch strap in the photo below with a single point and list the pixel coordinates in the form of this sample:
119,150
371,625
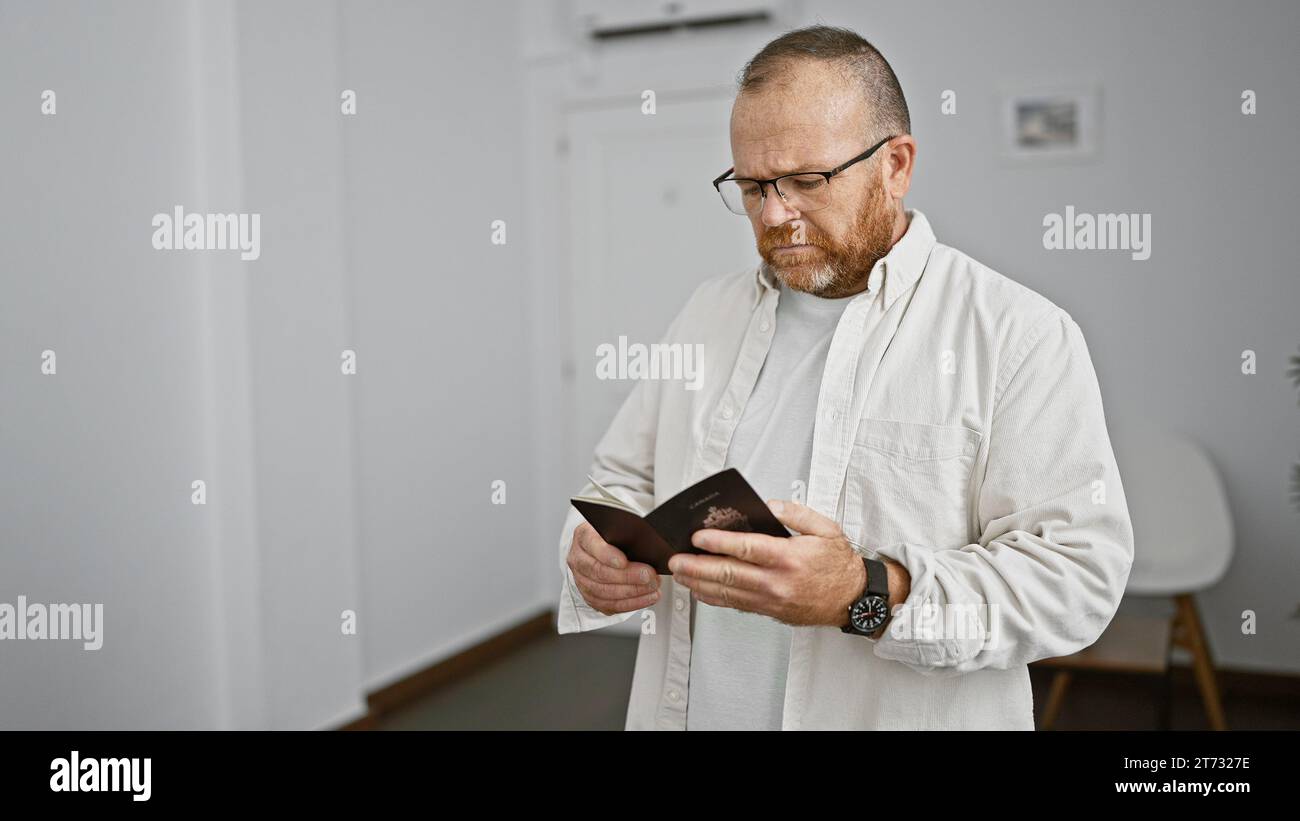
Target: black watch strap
877,577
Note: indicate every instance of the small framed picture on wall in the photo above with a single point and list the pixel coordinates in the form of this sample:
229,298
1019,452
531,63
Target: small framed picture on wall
1051,122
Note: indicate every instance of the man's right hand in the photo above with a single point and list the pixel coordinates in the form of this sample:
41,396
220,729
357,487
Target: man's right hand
605,578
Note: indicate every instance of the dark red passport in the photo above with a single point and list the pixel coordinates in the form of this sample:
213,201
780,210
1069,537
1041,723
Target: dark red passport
724,501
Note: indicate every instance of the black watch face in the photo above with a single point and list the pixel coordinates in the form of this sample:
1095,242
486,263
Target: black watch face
869,613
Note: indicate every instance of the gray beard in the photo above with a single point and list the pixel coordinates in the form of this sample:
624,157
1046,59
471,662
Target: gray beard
821,278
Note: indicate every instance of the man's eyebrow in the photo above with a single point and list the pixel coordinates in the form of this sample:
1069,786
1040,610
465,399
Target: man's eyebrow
782,171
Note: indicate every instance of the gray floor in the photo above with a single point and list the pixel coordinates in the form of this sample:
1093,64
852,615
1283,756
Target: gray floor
569,682
581,682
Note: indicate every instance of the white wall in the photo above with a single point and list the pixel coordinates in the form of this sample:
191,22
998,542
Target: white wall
299,325
97,460
441,321
325,492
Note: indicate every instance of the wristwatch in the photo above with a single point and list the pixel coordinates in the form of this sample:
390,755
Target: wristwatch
871,611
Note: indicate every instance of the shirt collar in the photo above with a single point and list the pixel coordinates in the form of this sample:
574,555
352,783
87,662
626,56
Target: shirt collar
901,267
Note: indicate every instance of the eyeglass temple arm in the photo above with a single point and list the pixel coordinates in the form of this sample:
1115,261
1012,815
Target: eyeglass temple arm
830,173
860,157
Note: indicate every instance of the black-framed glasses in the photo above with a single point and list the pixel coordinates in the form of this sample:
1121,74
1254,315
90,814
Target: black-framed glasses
802,191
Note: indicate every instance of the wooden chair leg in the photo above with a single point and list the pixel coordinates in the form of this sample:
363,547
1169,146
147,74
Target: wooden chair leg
1055,698
1165,705
1191,637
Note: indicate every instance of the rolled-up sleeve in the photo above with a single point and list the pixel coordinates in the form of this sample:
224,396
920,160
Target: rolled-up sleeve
1056,547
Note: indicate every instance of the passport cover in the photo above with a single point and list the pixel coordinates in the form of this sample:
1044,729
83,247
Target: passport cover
724,501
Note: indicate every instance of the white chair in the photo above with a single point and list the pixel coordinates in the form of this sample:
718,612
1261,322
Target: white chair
1183,543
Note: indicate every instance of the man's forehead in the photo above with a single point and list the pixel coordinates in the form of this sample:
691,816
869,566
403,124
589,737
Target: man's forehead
784,152
780,132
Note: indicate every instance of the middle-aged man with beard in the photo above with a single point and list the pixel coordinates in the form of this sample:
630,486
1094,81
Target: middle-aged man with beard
964,515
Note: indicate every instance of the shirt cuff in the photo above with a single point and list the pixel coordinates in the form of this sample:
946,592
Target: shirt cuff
922,633
576,616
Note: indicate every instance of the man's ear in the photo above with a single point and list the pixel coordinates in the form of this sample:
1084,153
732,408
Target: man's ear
897,166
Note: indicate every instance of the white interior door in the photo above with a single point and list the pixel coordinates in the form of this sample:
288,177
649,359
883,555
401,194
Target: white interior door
646,227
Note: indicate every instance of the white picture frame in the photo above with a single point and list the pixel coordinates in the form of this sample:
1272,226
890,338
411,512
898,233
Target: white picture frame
1051,122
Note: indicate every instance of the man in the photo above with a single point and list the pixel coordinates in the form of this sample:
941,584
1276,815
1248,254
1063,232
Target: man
964,515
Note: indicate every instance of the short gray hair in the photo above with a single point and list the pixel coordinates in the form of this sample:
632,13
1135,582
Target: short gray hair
846,50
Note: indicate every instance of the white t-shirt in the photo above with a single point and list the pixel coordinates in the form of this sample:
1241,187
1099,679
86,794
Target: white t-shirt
739,659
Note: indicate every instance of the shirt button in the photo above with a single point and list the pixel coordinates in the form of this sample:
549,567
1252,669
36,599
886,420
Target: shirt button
764,325
833,415
673,695
679,604
727,412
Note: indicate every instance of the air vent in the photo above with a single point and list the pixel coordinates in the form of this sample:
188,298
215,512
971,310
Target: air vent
609,19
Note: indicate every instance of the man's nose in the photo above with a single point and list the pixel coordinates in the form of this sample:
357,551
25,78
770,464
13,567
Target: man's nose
775,210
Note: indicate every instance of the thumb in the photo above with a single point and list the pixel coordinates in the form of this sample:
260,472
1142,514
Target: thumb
803,519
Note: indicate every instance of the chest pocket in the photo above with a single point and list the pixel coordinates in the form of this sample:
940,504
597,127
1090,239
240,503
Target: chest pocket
910,481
